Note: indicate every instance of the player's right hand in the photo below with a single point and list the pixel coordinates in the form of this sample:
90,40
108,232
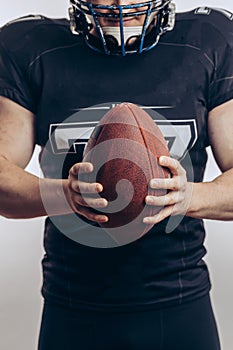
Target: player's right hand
82,196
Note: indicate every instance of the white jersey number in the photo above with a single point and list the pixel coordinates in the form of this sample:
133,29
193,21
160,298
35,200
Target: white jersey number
180,135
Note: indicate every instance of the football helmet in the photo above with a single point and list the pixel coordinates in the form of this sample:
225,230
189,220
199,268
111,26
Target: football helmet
89,18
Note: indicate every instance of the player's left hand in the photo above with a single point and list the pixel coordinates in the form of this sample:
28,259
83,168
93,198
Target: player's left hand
178,197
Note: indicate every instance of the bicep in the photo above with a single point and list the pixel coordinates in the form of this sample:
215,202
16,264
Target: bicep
220,128
17,134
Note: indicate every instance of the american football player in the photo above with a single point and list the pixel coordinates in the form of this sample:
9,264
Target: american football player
57,79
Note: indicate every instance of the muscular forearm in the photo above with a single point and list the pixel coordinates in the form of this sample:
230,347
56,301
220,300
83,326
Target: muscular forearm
20,193
213,200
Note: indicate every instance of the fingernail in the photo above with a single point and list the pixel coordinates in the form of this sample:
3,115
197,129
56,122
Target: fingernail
105,219
149,199
101,218
147,220
163,160
74,170
154,183
102,203
90,168
98,187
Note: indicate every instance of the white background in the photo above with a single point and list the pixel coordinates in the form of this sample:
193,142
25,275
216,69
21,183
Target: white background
21,241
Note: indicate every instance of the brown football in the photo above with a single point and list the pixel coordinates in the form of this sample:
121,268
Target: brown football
124,149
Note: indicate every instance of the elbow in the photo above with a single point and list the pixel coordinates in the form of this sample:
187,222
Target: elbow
11,214
8,215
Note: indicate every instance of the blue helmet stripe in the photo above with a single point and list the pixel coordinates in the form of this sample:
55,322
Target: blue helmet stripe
145,28
98,27
122,32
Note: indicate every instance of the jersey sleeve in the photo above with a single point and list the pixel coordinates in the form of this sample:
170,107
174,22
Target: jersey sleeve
14,80
221,86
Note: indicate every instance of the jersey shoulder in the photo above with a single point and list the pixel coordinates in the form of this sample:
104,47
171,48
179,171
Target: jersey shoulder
34,33
207,24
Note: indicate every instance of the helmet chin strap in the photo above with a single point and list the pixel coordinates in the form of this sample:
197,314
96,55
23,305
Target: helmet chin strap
129,32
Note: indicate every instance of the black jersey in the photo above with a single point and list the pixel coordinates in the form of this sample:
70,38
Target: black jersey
51,72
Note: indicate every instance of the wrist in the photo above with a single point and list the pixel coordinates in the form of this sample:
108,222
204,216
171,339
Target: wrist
54,195
201,200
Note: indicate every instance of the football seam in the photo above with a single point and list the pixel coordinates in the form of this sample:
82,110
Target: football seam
146,229
143,139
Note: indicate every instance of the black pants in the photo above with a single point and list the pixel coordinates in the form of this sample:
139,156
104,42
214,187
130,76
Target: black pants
190,326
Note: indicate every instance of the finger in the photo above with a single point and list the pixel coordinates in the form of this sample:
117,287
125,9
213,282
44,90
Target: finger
92,216
95,203
172,164
81,168
162,215
161,201
85,187
169,184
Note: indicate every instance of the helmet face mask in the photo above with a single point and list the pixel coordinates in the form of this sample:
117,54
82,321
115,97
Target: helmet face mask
122,29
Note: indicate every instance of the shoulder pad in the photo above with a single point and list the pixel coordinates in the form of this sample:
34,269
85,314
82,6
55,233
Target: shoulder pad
25,18
210,10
